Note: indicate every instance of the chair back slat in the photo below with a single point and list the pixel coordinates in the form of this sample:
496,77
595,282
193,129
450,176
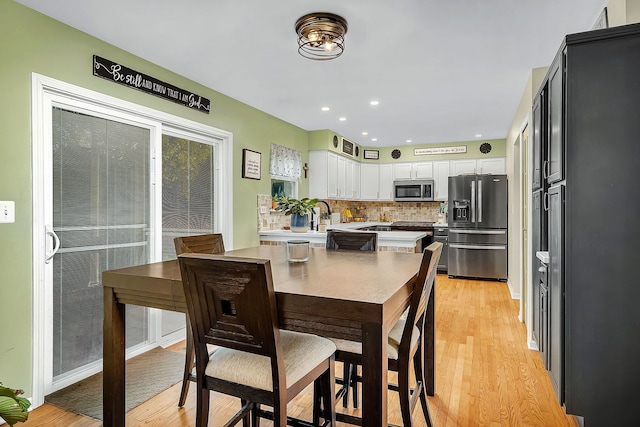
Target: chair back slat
421,290
221,294
351,240
202,244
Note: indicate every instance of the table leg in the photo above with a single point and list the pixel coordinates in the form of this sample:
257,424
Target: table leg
430,343
374,375
113,388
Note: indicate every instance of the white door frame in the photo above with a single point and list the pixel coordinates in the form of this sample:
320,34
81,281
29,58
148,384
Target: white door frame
46,91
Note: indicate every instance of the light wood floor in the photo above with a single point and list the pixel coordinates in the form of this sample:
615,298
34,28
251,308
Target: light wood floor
486,376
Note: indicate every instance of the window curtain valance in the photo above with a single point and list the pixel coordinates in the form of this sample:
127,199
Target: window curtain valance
285,162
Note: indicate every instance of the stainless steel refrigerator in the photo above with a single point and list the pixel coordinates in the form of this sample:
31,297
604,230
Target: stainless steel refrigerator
478,226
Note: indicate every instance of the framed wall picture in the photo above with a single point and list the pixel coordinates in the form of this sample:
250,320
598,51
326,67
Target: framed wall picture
251,164
371,154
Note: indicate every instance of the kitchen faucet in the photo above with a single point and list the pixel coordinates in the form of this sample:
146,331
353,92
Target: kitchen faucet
314,224
327,205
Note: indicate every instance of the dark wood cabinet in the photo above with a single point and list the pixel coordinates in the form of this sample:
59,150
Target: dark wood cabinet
554,164
539,132
536,217
555,295
591,175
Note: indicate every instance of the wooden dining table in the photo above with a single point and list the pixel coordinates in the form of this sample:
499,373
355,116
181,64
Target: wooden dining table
352,295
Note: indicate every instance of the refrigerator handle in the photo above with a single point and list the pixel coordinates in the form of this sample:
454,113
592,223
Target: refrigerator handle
479,201
473,201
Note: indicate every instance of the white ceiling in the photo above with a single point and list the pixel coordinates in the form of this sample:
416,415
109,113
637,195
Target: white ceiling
443,70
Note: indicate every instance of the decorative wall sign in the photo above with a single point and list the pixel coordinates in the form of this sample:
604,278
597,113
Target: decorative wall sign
126,76
251,164
347,147
371,154
440,150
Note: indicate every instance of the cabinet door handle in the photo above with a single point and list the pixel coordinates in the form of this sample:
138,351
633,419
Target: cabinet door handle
545,169
545,202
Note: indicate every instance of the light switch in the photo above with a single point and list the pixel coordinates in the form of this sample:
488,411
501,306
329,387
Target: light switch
7,212
263,210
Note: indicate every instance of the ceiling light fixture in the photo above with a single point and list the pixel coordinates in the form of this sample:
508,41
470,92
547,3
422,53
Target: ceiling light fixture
325,108
321,35
374,102
365,133
342,119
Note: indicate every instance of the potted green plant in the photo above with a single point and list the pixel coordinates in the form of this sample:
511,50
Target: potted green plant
13,408
299,209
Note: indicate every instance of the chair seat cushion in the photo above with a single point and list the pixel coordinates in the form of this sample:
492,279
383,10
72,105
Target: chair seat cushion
393,341
302,352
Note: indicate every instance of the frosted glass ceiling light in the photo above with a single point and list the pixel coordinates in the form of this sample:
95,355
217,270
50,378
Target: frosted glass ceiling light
321,35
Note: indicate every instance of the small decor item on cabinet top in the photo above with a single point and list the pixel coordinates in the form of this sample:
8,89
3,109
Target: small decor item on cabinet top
485,148
396,154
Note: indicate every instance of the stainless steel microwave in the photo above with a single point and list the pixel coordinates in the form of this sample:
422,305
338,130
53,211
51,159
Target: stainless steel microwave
413,190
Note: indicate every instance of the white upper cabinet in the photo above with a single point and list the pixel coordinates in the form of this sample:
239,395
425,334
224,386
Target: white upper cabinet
461,167
441,180
332,176
341,177
495,166
323,174
385,189
402,171
369,181
353,179
416,170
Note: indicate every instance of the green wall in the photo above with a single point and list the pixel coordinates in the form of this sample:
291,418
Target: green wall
31,42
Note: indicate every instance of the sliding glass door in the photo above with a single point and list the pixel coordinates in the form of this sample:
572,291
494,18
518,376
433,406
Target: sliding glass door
101,215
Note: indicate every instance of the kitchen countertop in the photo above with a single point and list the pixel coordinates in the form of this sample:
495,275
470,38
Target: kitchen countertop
435,224
404,239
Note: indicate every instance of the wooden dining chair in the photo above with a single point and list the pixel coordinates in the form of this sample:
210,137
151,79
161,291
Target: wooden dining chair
352,240
232,304
355,241
204,244
405,343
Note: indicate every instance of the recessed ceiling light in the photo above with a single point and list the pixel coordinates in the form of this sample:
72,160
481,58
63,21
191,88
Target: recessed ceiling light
365,133
374,102
478,135
408,141
325,108
342,119
374,139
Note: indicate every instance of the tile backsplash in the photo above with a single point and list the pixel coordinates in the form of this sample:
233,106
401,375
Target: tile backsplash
388,211
368,211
